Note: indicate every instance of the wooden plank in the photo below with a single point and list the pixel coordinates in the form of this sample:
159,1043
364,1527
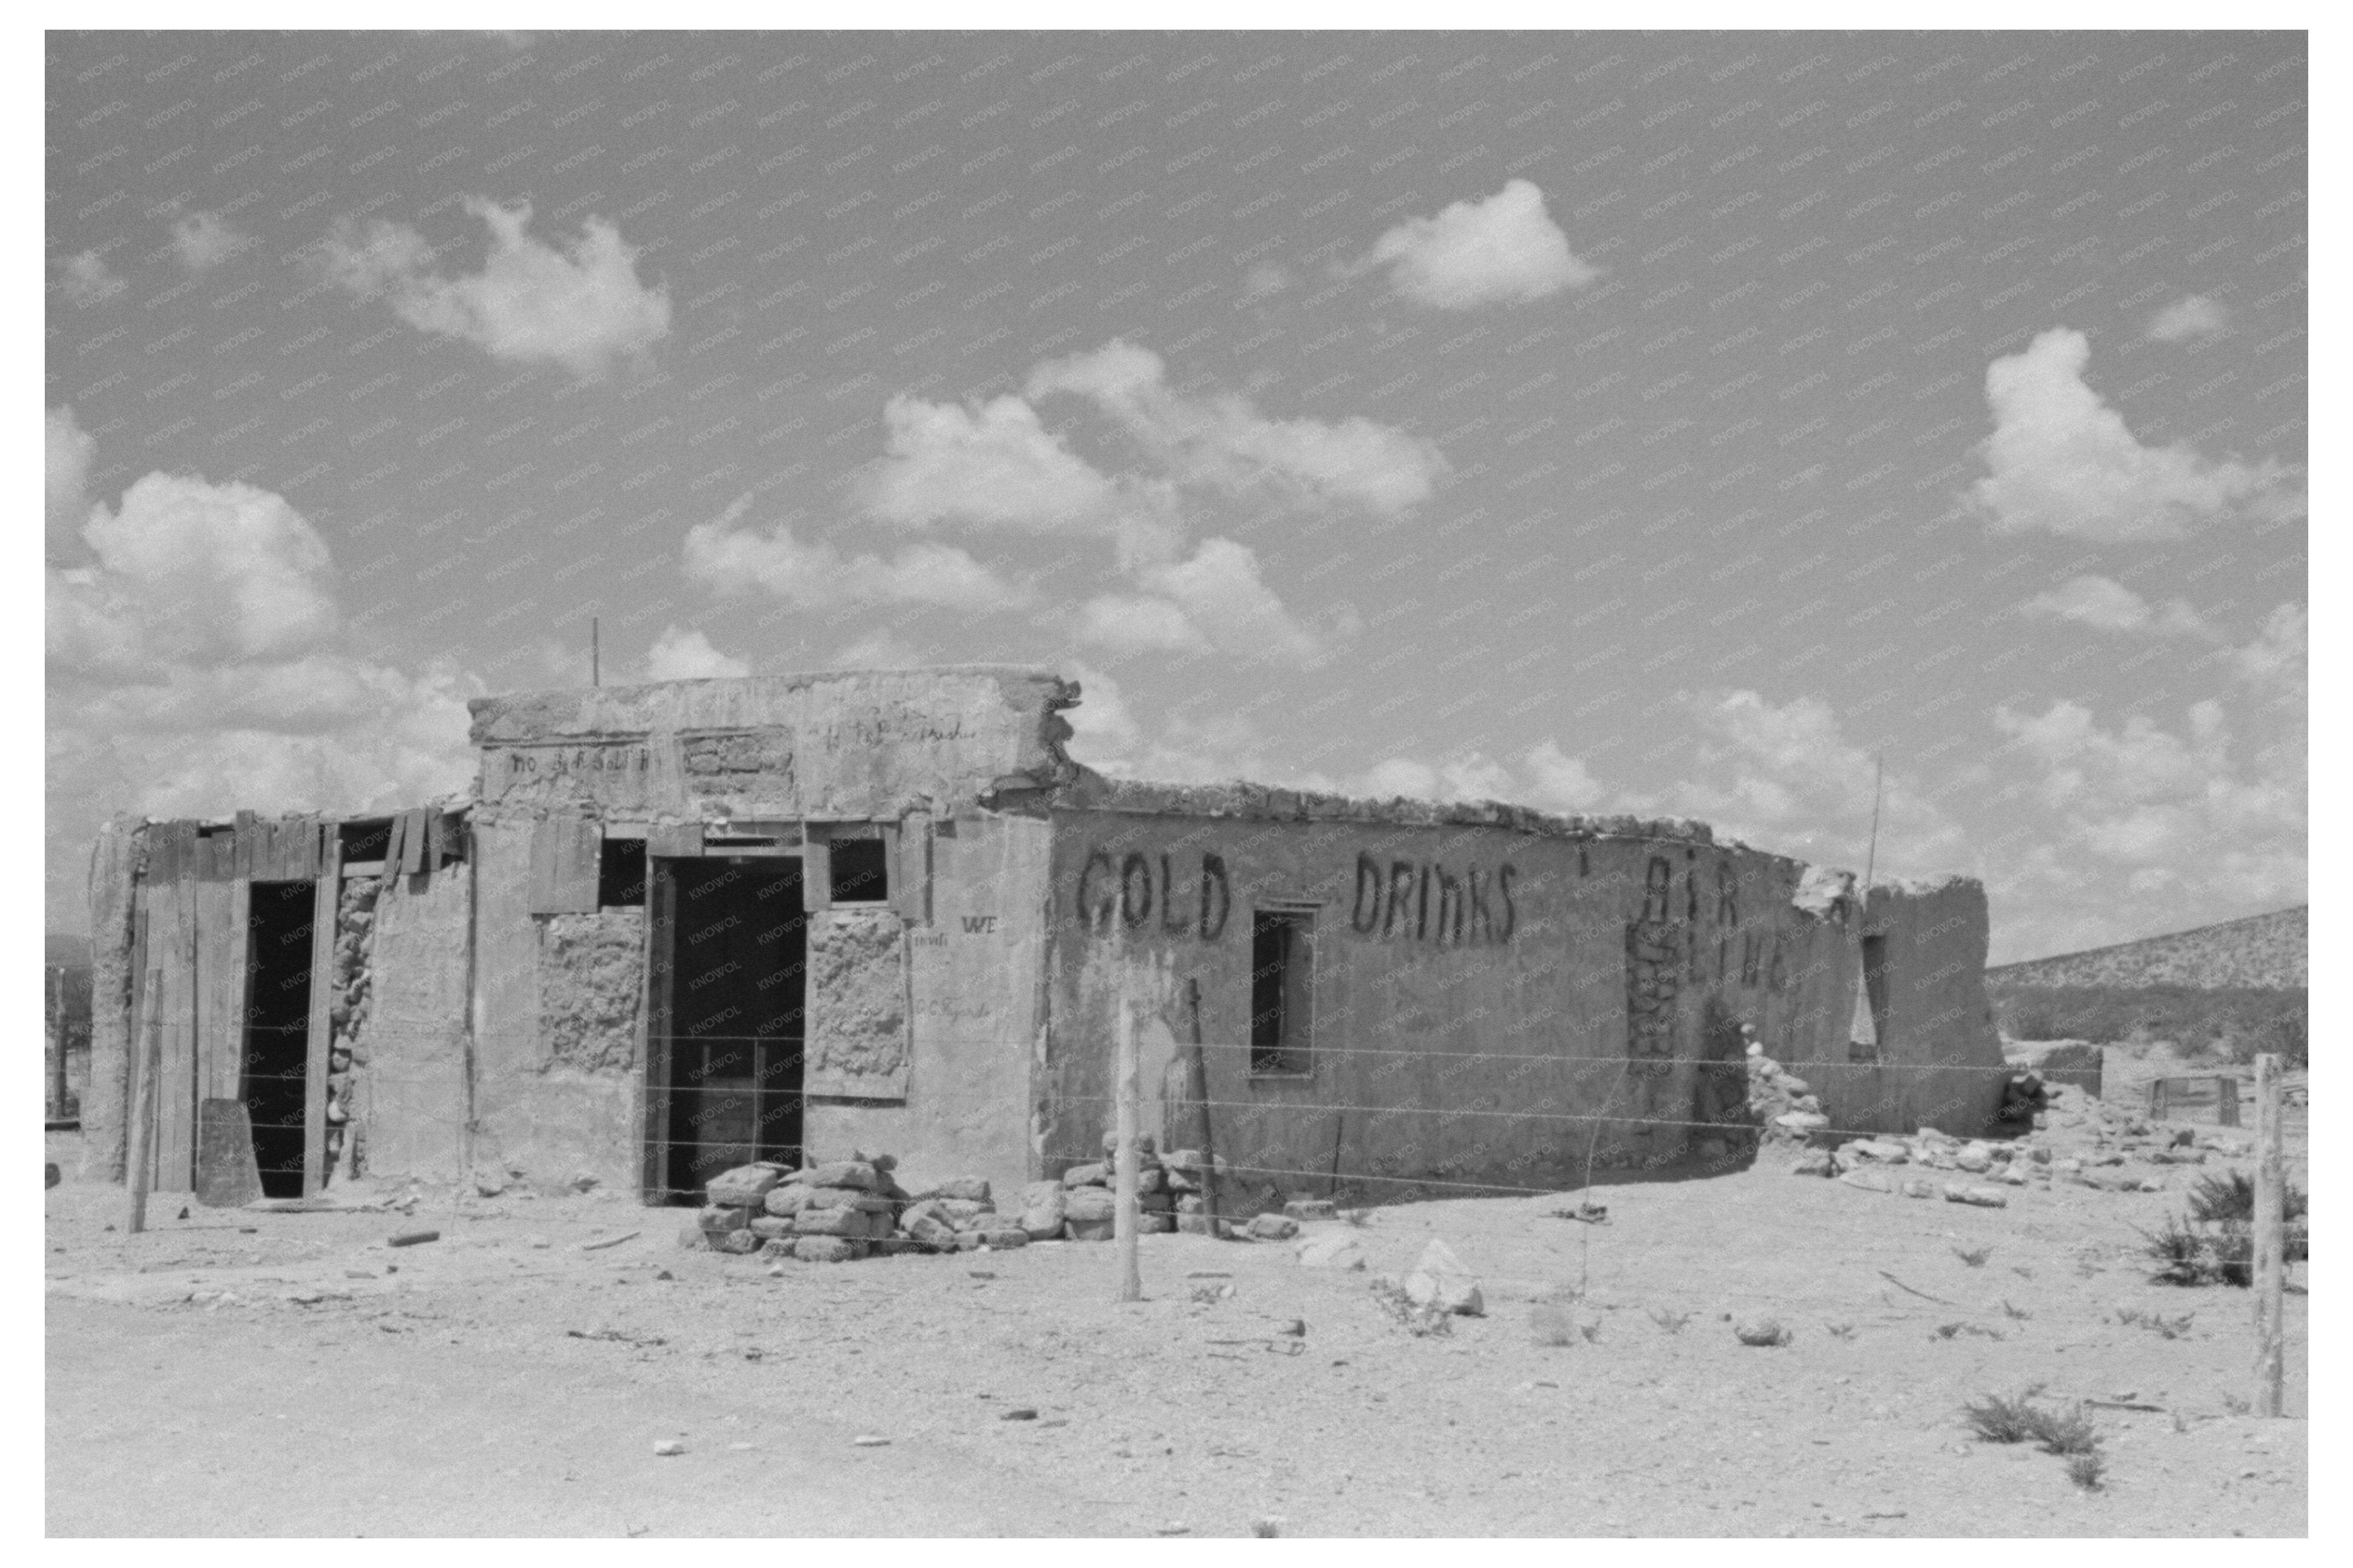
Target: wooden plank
140,1171
817,871
174,947
246,843
567,849
396,836
329,888
300,860
221,911
661,908
415,827
2269,1224
227,1175
435,842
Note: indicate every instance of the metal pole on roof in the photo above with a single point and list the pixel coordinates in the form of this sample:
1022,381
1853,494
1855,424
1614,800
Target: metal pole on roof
595,674
1870,856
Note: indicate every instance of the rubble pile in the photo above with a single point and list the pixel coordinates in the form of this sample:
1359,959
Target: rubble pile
2072,1137
1780,1103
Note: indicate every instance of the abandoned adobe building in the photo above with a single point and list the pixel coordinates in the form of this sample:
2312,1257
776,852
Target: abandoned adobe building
677,926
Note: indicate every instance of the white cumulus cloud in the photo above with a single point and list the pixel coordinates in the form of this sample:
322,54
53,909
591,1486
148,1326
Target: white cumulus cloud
2106,605
2061,460
89,279
199,663
2196,316
686,654
814,573
1505,249
1222,439
581,308
1215,600
994,466
204,240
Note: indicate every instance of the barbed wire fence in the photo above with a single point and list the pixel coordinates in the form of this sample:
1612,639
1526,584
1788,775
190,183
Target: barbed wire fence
436,1123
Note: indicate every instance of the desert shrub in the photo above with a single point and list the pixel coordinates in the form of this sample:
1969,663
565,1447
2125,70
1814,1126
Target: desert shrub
2231,1196
2085,1471
1669,1320
2063,1431
1998,1420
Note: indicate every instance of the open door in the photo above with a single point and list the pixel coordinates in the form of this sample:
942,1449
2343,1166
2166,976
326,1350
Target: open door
725,1019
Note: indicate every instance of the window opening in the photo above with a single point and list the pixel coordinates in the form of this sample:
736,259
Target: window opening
366,841
1281,949
860,872
621,874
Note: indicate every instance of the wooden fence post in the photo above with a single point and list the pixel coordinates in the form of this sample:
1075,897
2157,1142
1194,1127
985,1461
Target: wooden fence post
1124,1217
2270,1240
139,1172
2158,1100
2226,1100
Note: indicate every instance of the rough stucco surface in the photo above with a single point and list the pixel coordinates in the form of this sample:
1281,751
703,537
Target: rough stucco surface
588,988
411,1055
1451,1048
858,1005
853,744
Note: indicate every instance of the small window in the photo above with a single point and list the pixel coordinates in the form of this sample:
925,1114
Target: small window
621,874
1281,952
860,873
365,840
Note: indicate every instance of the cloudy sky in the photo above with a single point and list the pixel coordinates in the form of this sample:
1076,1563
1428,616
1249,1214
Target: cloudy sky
1669,424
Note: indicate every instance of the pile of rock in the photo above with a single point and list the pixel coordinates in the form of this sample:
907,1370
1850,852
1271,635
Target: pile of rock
832,1212
1088,1206
960,1215
1782,1104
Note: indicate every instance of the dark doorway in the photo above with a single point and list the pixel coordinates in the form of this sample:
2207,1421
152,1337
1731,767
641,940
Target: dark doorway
277,1030
728,1019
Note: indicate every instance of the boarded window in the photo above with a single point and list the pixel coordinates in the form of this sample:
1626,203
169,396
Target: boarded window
1281,955
566,864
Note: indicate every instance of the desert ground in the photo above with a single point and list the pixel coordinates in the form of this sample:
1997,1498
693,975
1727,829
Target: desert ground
293,1374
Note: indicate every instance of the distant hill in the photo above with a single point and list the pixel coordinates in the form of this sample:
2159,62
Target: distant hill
2263,951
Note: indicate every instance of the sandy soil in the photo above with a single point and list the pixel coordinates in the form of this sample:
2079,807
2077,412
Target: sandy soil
290,1374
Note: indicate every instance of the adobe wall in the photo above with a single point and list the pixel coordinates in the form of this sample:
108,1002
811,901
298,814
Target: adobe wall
1580,976
556,1027
559,1054
1940,1054
408,1055
972,976
863,745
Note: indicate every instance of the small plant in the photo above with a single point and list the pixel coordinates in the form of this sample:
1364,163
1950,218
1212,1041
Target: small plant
2016,1314
2085,1471
1973,1256
2188,1256
1358,1217
1840,1331
2071,1433
1670,1321
2221,1199
1998,1420
2235,1405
